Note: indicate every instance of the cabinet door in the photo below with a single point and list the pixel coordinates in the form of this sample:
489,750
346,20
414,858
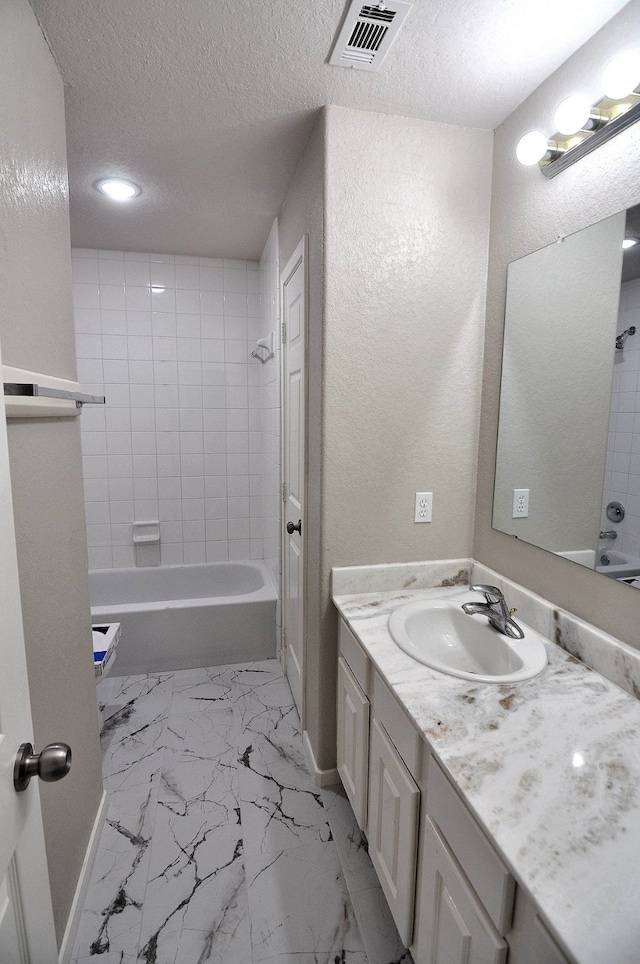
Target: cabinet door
393,828
353,741
457,928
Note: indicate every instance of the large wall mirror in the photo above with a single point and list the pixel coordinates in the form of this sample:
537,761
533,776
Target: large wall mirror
568,455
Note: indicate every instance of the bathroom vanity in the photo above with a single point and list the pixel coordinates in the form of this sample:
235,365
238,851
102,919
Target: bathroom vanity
502,819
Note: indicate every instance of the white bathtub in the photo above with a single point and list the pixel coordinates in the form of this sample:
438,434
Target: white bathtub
181,617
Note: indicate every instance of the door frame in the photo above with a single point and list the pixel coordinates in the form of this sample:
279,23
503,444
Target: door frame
300,254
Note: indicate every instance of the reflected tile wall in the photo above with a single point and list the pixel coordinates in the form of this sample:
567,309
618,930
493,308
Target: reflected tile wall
166,339
622,478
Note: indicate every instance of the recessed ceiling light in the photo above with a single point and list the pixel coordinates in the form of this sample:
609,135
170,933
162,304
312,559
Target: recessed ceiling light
118,189
630,243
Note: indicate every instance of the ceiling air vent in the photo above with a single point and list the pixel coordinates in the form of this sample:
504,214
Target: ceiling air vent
367,34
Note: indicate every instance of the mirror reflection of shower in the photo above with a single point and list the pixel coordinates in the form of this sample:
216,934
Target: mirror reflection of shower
620,519
622,337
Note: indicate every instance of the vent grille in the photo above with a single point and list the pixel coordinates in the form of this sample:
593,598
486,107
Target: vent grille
367,34
377,13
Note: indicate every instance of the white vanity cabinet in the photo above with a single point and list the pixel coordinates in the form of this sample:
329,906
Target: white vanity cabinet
394,809
451,896
465,893
378,748
353,741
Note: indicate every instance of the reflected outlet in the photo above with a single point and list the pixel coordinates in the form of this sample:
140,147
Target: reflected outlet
423,507
520,504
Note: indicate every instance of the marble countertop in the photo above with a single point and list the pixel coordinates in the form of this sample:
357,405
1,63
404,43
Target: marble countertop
550,767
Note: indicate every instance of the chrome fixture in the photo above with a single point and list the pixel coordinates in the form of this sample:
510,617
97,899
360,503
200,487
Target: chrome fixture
608,534
621,338
581,127
51,764
496,611
615,512
264,344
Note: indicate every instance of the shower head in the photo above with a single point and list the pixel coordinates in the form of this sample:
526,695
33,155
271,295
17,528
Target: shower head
620,340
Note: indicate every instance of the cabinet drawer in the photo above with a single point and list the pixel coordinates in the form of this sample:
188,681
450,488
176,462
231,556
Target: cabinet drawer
487,874
353,741
456,929
398,726
355,656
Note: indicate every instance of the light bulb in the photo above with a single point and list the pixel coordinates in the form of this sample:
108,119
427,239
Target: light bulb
622,75
531,148
118,189
572,114
630,243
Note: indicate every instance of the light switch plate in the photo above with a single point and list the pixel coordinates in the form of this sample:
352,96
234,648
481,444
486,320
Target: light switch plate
423,507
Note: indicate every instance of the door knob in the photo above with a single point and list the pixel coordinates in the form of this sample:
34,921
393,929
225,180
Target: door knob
51,764
291,528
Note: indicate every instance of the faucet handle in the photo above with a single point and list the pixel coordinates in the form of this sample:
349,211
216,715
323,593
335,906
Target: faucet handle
491,593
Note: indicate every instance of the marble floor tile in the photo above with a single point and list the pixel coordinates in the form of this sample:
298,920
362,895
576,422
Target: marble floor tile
211,688
300,908
112,915
349,839
218,846
379,932
377,927
132,734
116,957
196,901
278,813
200,768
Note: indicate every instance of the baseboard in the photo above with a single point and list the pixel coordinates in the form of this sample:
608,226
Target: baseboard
321,778
83,882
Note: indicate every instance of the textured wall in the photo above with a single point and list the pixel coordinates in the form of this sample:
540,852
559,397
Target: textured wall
398,360
556,387
166,339
528,212
36,329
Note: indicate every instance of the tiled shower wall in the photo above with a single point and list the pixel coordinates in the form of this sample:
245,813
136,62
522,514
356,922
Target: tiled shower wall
622,479
167,338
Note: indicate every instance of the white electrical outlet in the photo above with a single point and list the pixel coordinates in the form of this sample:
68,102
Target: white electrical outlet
423,507
520,504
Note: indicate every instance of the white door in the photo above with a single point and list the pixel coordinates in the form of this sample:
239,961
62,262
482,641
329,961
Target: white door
27,933
293,281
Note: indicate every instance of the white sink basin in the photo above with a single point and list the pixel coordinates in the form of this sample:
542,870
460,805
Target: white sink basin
441,635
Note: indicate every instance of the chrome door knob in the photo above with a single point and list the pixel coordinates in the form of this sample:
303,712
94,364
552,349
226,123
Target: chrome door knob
51,764
291,528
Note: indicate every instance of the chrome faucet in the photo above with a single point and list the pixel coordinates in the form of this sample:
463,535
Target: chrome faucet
496,611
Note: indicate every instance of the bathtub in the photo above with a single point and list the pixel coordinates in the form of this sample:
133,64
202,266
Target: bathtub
182,617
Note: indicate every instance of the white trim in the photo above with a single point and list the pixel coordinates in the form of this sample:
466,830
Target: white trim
77,904
299,256
321,778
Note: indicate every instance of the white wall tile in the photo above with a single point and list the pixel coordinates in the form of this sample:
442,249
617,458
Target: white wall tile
165,338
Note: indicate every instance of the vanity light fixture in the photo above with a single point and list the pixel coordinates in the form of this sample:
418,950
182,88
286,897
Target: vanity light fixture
581,126
117,188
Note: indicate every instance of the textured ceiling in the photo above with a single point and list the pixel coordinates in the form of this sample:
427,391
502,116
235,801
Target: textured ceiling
207,104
